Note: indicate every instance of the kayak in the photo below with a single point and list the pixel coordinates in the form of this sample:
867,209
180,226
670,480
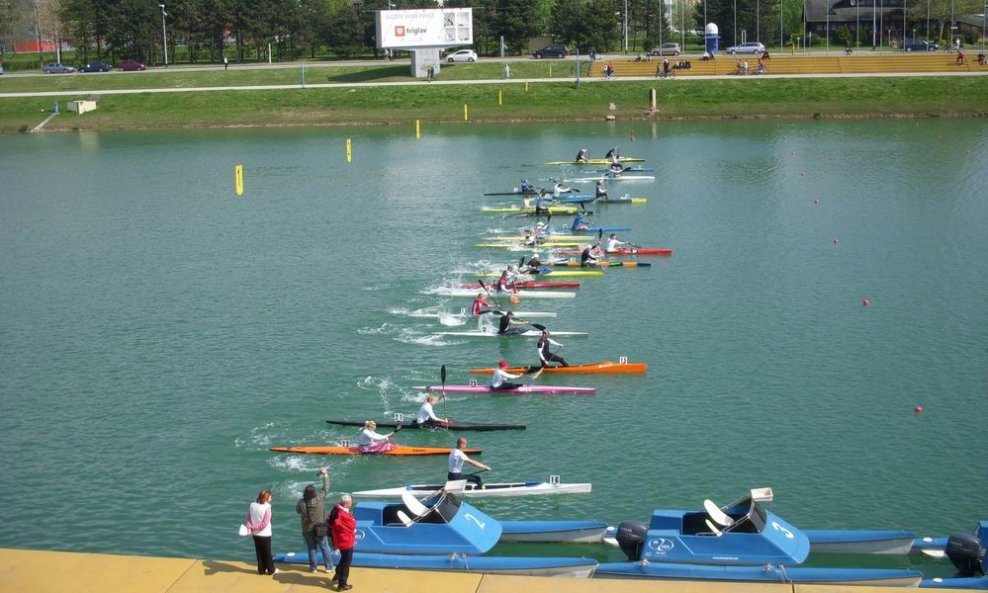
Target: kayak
490,489
621,159
409,422
584,239
603,263
524,389
532,333
607,366
548,272
507,244
631,169
533,284
465,315
528,210
624,251
354,450
622,200
522,294
609,177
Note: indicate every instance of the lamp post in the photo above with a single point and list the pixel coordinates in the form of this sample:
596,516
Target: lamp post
625,26
164,32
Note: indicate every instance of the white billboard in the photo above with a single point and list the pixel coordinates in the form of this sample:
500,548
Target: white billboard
442,27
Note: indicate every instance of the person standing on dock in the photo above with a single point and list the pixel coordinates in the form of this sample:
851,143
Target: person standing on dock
259,524
312,508
344,528
456,460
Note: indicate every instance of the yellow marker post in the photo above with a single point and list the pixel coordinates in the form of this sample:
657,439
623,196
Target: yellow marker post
500,98
349,151
550,70
526,86
418,130
466,116
238,178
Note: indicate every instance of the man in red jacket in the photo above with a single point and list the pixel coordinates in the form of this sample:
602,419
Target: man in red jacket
344,537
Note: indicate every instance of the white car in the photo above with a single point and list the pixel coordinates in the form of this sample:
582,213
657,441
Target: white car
752,47
462,55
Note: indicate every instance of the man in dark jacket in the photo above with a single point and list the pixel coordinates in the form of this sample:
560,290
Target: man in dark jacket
312,508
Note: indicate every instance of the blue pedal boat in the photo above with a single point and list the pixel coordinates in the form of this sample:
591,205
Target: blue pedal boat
742,541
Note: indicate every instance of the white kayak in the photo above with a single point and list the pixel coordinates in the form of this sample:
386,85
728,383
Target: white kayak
534,488
522,294
467,316
530,333
625,177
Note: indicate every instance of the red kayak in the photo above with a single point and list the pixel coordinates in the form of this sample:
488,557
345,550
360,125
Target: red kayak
623,251
533,284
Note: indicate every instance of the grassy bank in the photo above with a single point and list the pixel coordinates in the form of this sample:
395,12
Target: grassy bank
543,101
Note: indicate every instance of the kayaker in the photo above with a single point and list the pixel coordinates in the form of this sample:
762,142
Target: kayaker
558,189
344,528
456,459
589,254
526,187
601,190
581,156
504,325
373,442
613,244
427,416
480,305
500,374
542,203
534,266
582,222
612,154
506,282
545,356
616,168
312,508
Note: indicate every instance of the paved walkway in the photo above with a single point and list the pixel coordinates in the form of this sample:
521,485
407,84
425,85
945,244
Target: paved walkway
33,571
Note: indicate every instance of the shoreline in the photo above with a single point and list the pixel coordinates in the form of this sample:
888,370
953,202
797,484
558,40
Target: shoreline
512,102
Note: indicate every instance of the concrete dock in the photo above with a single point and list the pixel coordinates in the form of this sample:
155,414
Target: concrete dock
33,571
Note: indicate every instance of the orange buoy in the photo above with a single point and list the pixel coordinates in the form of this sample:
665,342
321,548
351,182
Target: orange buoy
514,300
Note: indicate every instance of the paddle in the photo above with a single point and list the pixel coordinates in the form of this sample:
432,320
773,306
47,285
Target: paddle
488,291
442,378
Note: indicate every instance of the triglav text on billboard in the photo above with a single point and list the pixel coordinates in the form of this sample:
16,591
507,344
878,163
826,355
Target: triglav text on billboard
407,29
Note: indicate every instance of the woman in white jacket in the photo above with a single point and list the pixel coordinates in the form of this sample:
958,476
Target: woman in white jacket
259,524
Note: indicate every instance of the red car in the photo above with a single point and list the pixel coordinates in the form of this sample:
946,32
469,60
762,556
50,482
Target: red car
132,65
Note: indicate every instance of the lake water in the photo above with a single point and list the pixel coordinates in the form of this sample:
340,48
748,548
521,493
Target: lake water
159,333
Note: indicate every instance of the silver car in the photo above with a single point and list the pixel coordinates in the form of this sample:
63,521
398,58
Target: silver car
667,49
751,47
57,68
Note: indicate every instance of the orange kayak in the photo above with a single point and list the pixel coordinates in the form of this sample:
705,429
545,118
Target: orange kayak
339,450
579,369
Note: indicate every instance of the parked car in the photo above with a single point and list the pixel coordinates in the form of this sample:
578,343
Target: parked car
132,65
57,68
556,50
667,49
751,47
919,45
462,55
95,67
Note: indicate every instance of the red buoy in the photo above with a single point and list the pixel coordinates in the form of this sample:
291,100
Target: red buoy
918,409
865,303
816,201
836,241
